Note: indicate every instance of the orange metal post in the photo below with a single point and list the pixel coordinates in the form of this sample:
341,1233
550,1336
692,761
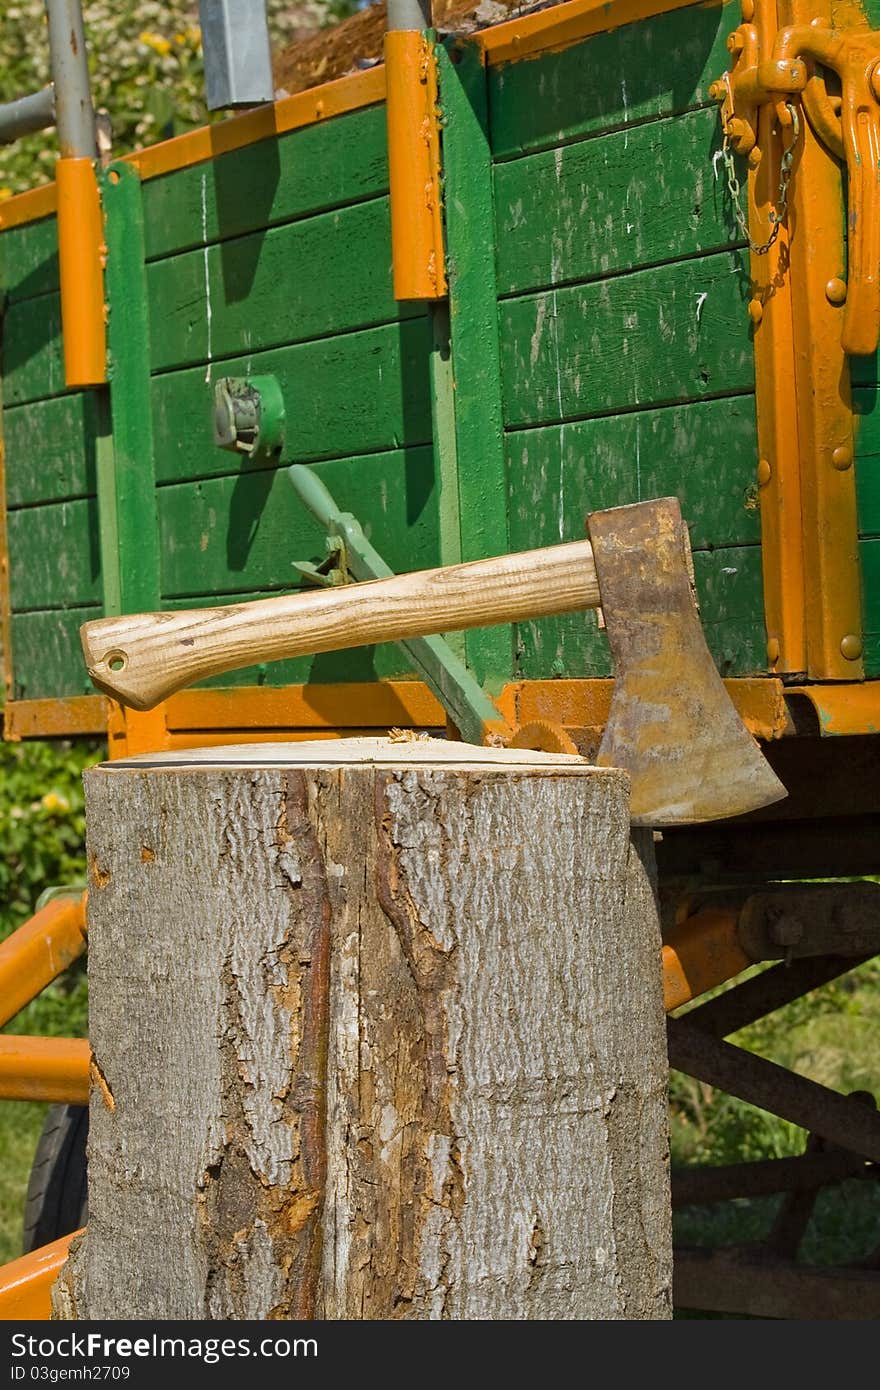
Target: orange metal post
52,1069
25,1284
778,463
832,578
81,257
39,950
414,166
700,953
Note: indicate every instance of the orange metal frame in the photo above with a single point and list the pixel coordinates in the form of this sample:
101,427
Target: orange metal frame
26,1284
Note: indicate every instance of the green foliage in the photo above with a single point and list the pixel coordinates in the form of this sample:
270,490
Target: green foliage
42,825
146,64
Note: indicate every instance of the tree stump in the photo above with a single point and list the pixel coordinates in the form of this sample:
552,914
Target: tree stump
378,1033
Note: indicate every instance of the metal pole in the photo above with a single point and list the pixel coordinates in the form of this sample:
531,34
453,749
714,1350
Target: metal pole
26,115
409,14
74,113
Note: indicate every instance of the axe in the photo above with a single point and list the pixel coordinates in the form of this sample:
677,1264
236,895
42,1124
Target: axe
671,725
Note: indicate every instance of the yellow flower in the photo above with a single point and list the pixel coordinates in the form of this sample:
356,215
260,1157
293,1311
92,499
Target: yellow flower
53,802
154,41
5,193
180,39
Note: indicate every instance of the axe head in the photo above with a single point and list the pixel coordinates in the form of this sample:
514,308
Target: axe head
672,724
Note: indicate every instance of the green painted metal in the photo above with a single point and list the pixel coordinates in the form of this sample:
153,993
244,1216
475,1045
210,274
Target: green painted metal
321,166
130,536
320,275
447,677
658,67
474,333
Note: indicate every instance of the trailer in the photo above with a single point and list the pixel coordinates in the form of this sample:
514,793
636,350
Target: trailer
439,309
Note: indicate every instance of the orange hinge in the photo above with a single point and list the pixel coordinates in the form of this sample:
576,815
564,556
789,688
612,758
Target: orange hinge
81,259
414,166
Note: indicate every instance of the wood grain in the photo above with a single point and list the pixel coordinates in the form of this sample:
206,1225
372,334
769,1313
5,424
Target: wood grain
157,653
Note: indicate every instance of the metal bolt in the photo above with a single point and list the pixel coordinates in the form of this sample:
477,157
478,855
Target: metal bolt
764,472
842,457
756,311
773,651
851,646
835,290
874,80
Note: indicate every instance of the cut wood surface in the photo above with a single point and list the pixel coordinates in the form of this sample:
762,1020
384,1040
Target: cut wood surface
144,657
378,1031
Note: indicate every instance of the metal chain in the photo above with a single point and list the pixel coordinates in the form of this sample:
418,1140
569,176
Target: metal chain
778,214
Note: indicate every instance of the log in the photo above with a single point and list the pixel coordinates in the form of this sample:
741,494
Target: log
378,1033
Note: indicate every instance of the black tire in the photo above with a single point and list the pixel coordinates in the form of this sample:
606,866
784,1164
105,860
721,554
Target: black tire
57,1199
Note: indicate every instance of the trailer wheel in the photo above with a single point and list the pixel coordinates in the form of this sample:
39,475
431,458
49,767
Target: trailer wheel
57,1199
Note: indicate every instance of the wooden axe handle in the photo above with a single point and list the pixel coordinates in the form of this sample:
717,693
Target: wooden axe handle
142,658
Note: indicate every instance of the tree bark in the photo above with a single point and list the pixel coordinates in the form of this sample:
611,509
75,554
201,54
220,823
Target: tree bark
378,1033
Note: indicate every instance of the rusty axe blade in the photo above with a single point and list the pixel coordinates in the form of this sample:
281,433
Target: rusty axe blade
672,724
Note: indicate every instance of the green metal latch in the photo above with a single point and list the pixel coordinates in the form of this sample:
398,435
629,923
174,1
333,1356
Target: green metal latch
469,708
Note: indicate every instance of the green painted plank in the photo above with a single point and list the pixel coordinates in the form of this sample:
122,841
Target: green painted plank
33,362
357,393
637,197
326,274
47,660
866,410
127,487
652,68
680,332
321,166
869,552
29,259
476,350
384,662
50,449
234,534
730,589
702,453
53,555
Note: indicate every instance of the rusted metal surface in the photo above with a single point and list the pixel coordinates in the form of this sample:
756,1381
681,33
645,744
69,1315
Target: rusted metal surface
841,919
844,1121
48,1069
700,953
728,1281
764,993
25,1284
544,735
806,1172
66,717
38,951
694,758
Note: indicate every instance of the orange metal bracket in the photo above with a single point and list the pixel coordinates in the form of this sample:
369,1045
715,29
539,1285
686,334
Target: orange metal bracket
843,709
26,1284
414,166
701,952
50,1069
81,258
38,951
